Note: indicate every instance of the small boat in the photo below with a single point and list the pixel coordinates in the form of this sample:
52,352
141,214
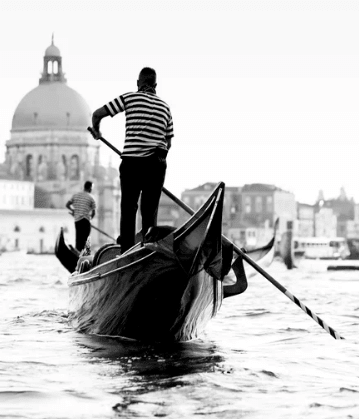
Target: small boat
159,291
66,254
163,290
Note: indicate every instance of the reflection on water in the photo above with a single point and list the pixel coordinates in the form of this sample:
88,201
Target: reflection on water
153,362
260,357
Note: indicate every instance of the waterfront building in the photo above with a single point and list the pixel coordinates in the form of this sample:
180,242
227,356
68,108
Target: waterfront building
304,225
51,149
16,194
196,197
250,211
325,223
344,209
168,212
33,230
264,203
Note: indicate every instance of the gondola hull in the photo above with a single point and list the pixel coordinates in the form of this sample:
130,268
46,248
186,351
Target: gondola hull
144,300
161,291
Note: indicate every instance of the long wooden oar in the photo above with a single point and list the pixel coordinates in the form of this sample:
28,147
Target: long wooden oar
102,232
251,262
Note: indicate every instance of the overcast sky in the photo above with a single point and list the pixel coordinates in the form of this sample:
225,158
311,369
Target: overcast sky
260,91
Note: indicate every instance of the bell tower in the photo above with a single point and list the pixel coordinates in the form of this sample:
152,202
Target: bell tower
52,65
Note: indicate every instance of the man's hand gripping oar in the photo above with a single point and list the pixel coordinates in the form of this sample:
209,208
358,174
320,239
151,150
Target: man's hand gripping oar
97,136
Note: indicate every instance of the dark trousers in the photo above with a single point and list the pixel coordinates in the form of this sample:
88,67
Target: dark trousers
145,176
83,230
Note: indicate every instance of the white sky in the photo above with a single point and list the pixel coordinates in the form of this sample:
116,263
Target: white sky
260,90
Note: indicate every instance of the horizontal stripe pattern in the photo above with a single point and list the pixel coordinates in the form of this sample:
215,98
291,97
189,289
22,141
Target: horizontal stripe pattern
148,122
83,203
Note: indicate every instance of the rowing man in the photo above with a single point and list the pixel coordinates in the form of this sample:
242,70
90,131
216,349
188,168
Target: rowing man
82,206
149,131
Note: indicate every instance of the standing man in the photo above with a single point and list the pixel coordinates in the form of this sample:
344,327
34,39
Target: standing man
82,206
149,131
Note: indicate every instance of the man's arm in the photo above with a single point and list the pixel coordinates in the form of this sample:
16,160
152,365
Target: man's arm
97,116
69,207
169,142
93,205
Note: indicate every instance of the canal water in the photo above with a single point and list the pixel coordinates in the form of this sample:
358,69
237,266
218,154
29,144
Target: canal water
262,356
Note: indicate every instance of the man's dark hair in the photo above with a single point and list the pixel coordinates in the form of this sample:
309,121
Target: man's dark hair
147,76
88,185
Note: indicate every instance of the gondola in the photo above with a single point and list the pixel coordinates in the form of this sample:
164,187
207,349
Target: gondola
165,289
66,254
156,291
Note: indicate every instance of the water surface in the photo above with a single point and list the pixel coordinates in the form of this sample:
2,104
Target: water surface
260,357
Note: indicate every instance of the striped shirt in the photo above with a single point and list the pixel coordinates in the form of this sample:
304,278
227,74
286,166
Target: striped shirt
83,203
148,122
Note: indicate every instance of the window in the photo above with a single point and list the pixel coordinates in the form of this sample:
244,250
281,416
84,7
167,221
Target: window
247,204
74,168
269,204
259,204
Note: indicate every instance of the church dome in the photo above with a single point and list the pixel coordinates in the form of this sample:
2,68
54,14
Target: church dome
52,51
52,105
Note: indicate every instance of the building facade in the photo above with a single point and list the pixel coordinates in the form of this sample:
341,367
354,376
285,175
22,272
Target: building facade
304,226
263,204
196,197
249,212
51,151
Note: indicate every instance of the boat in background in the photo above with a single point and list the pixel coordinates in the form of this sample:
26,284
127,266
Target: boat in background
321,247
65,253
353,246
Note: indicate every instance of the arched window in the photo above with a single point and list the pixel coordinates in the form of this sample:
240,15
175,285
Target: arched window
49,67
62,168
29,167
55,67
74,167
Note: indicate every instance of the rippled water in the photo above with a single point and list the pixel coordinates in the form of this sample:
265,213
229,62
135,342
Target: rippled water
260,357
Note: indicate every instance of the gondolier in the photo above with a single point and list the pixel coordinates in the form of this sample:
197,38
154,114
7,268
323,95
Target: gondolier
149,131
82,206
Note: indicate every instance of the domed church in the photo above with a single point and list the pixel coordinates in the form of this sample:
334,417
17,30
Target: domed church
51,149
50,144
